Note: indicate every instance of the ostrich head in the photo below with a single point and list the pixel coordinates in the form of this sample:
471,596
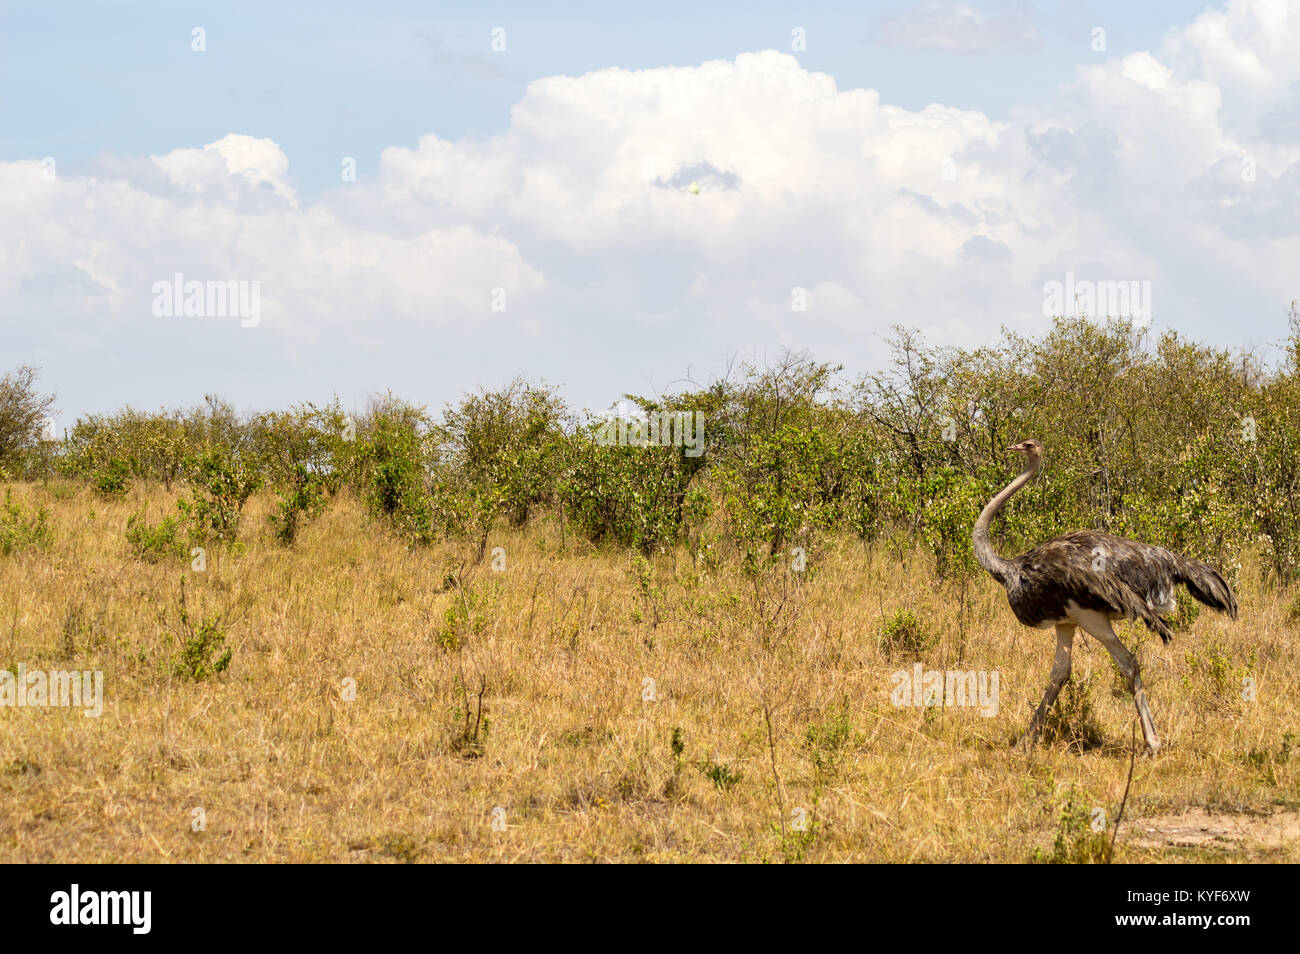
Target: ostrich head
1033,452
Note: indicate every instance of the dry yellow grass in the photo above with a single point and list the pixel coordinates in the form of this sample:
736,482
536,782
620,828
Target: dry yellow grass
579,762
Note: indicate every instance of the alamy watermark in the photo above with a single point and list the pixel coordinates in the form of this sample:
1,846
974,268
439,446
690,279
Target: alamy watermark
129,908
948,688
1124,299
653,429
61,688
179,298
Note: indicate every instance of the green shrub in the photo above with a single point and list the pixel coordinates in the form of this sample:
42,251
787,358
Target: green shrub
636,496
302,502
780,461
723,776
153,542
394,457
112,479
23,413
20,530
303,455
826,742
1076,842
202,650
464,618
904,632
505,447
221,485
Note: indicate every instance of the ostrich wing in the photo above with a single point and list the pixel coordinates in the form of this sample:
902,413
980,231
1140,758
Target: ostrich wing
1099,571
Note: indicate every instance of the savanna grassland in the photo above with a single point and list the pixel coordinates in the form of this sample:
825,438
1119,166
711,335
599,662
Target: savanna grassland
671,631
524,689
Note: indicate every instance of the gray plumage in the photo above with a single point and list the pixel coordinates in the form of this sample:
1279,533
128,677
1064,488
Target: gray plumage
1100,571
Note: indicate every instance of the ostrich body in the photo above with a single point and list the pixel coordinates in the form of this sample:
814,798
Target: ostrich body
1085,579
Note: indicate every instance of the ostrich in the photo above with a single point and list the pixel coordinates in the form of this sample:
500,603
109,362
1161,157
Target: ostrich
1086,579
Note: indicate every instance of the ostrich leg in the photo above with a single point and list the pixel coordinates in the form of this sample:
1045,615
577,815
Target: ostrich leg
1098,626
1060,674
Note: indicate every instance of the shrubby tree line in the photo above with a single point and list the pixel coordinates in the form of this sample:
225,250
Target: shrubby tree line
1159,438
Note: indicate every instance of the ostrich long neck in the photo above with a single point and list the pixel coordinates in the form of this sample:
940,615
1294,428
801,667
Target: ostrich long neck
988,558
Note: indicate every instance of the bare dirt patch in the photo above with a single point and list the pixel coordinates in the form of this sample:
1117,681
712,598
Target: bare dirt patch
1199,828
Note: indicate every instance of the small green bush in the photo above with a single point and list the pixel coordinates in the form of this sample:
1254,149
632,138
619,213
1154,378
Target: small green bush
21,531
204,652
301,503
222,485
153,542
723,776
904,632
1076,842
202,646
826,741
463,619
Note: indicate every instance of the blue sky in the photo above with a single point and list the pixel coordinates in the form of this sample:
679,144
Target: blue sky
924,162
